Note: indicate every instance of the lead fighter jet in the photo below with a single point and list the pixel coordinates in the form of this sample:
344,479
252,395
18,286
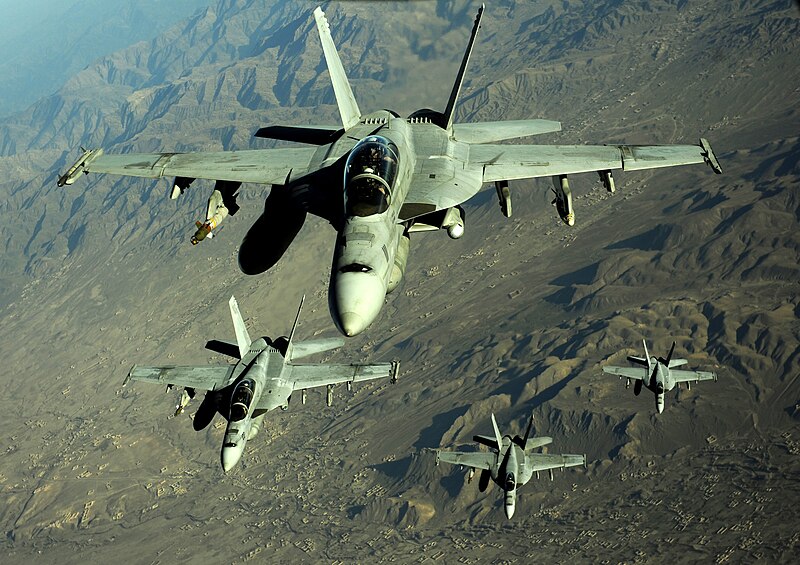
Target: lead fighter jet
378,177
263,378
511,463
657,374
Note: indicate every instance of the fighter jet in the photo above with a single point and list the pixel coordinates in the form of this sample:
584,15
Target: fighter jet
264,378
511,462
657,375
377,178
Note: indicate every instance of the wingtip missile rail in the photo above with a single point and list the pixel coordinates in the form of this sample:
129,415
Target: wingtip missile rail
710,158
79,167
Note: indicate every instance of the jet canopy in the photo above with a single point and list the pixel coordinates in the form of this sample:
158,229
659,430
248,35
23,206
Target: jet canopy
369,176
511,483
241,399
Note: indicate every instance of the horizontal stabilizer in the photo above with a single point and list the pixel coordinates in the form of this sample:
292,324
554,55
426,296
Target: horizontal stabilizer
312,135
489,132
677,363
638,360
487,441
310,347
223,347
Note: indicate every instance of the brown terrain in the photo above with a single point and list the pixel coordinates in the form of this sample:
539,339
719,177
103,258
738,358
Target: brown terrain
517,316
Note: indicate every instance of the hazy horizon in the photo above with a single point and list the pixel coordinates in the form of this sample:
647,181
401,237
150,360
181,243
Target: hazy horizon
47,41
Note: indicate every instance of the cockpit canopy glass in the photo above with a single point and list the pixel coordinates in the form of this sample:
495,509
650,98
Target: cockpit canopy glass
511,482
241,399
369,176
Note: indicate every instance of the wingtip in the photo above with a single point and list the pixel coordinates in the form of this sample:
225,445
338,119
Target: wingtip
128,376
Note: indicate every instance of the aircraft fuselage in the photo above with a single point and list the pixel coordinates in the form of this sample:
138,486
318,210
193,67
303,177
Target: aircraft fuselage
364,256
660,382
258,388
510,472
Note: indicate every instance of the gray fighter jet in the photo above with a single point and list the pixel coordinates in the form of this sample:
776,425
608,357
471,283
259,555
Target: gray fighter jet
511,462
379,177
264,378
656,373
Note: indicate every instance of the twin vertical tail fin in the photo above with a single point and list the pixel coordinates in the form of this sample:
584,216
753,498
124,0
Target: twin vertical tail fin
348,108
527,433
242,337
497,436
289,346
647,358
669,355
447,121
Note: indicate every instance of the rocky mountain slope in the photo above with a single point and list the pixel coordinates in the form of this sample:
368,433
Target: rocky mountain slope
517,316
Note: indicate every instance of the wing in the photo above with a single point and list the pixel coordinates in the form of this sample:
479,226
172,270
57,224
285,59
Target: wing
442,182
309,376
692,376
202,377
629,372
510,162
476,459
264,166
545,461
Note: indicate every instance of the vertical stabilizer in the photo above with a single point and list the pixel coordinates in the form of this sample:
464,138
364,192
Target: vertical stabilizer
451,104
294,327
348,108
497,435
647,358
242,337
669,355
527,433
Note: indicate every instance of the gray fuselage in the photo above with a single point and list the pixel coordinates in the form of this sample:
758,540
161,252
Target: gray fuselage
257,389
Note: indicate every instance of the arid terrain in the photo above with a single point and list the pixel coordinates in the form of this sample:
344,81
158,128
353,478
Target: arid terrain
516,317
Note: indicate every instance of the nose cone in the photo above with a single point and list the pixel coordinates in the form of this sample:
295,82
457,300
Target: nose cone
660,403
358,298
510,501
352,324
231,456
